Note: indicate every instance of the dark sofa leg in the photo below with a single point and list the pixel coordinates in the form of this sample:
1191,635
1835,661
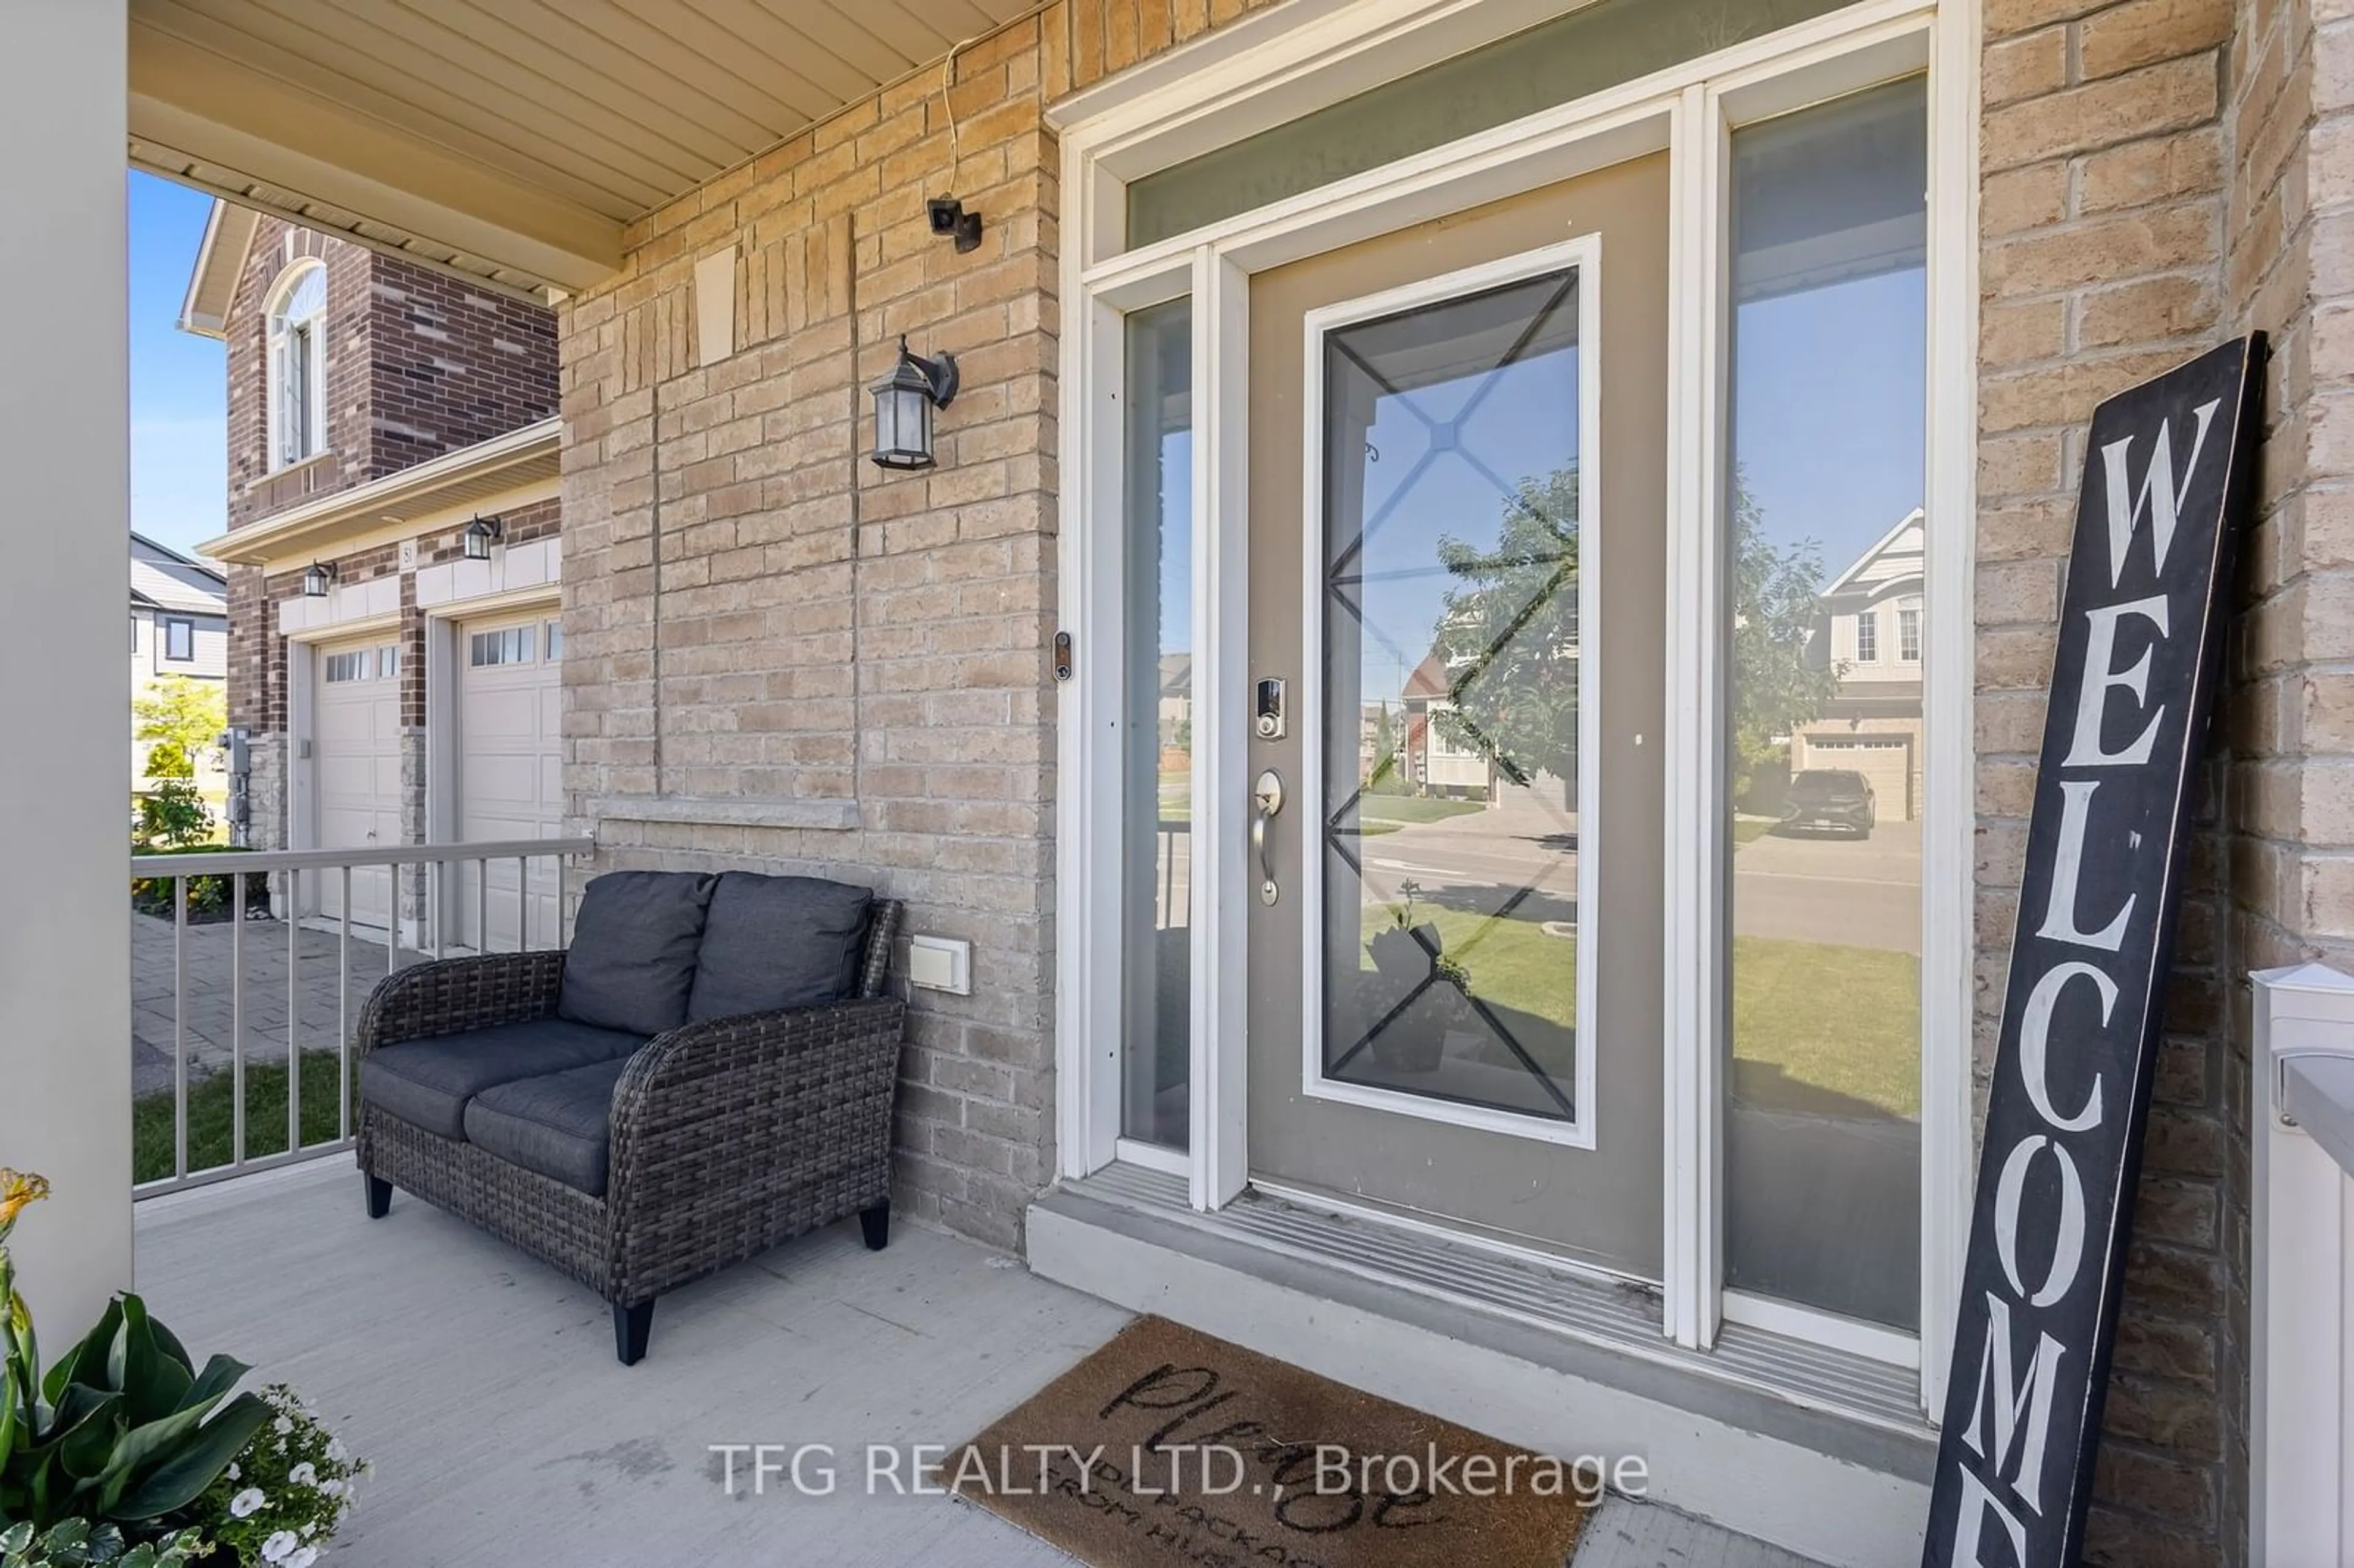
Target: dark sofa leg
379,1196
632,1327
876,1223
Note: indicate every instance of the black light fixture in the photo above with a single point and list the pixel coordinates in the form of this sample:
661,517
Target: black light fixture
317,579
904,402
480,535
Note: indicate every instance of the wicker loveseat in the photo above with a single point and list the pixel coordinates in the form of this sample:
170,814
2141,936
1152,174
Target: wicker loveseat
633,1125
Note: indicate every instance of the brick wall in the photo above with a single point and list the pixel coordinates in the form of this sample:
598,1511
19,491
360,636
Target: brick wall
418,364
756,612
2143,197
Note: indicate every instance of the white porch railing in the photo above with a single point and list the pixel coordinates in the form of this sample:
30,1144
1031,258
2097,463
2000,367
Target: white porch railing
329,910
2301,1453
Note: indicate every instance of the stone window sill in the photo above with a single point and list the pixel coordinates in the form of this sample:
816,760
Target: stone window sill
839,816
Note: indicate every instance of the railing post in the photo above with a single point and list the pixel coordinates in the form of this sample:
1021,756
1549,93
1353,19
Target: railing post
293,1047
2302,1278
179,1027
237,1018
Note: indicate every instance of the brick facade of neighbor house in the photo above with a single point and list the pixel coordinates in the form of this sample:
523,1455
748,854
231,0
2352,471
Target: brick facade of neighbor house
756,613
418,364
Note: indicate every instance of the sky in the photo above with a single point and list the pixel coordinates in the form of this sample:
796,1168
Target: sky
179,384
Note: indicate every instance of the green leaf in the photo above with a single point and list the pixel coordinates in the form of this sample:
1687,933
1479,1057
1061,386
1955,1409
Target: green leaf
153,1383
83,1432
86,1362
220,1375
183,1478
170,1345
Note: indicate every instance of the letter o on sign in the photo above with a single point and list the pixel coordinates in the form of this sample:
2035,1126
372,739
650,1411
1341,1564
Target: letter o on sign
2068,1245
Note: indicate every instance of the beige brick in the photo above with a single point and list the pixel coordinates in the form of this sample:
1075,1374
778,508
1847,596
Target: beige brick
2145,32
2171,96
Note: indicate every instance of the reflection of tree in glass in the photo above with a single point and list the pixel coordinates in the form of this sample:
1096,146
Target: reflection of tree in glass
1509,638
1776,606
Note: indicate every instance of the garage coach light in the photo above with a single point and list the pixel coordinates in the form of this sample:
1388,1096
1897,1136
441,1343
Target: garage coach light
904,402
480,535
318,579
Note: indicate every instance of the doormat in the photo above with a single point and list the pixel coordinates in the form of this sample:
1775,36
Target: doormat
1167,1447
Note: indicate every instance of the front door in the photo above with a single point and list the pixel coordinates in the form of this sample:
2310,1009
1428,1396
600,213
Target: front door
1458,559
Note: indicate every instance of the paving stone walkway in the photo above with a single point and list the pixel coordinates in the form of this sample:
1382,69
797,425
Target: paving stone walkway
322,1006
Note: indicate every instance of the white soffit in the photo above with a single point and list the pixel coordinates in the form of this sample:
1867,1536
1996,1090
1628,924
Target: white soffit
510,140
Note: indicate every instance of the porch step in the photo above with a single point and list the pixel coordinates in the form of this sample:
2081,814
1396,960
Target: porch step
1817,1453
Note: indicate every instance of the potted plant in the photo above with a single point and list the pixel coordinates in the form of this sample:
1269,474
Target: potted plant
118,1453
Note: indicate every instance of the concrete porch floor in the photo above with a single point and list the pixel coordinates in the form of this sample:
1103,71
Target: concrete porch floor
483,1389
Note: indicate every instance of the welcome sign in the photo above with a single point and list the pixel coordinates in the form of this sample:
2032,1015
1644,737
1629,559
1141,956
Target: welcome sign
2168,478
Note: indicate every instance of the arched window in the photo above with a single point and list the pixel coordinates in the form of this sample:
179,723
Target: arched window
297,402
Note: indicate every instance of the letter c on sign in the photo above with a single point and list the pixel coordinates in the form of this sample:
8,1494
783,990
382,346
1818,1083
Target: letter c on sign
2067,1248
2035,1039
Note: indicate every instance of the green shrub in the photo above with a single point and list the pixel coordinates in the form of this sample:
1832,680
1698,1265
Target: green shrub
208,894
75,1543
172,815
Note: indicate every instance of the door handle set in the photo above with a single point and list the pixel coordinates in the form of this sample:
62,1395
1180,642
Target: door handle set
1266,802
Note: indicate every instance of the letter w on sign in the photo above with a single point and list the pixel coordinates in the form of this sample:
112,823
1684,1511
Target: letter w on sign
2166,493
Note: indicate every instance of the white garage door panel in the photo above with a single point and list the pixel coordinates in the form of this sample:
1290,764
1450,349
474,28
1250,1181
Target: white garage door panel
509,779
356,766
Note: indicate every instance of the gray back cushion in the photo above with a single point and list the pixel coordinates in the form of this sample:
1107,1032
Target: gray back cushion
778,941
631,962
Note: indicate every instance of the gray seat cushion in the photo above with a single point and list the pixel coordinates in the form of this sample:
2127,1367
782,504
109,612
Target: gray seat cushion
772,942
559,1125
632,957
426,1082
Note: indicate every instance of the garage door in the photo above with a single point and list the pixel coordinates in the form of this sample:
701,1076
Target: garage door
355,753
510,775
1885,761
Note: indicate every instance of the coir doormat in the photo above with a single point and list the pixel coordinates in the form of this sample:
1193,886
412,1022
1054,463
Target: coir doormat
1167,1447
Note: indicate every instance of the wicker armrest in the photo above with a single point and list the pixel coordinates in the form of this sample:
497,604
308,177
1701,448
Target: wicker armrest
452,995
733,1104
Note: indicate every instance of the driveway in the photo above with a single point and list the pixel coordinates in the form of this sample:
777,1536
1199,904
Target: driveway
326,999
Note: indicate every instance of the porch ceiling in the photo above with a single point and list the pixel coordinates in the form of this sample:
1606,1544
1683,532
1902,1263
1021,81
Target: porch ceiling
509,139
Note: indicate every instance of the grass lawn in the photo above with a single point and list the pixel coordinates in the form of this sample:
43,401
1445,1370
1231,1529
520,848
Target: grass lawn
1749,830
1817,1027
211,1103
1413,808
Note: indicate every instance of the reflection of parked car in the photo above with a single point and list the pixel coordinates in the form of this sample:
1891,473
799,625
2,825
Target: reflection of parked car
1835,798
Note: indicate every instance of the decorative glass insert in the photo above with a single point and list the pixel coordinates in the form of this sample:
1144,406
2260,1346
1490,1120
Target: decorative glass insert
1595,46
351,667
1450,532
511,646
1830,326
555,641
1156,898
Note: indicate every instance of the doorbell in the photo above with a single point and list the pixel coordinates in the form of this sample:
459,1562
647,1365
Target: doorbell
1270,722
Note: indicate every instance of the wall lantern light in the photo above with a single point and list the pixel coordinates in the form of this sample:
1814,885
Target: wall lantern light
317,579
480,535
904,402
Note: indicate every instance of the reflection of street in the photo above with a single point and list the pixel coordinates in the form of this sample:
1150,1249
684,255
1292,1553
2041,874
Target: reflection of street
1856,892
1525,842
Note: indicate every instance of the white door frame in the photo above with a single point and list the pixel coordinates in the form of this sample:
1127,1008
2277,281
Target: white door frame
1289,61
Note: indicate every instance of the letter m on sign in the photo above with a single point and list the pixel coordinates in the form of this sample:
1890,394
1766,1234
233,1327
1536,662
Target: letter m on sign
2166,493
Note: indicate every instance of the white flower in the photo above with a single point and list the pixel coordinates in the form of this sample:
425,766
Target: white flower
246,1504
279,1547
282,1425
334,1488
336,1452
304,1473
232,1472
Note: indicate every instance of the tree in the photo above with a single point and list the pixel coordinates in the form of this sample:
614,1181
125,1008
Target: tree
180,717
1777,684
1509,637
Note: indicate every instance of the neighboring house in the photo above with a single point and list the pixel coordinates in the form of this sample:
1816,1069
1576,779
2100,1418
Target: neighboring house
179,626
392,690
1871,632
1435,762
